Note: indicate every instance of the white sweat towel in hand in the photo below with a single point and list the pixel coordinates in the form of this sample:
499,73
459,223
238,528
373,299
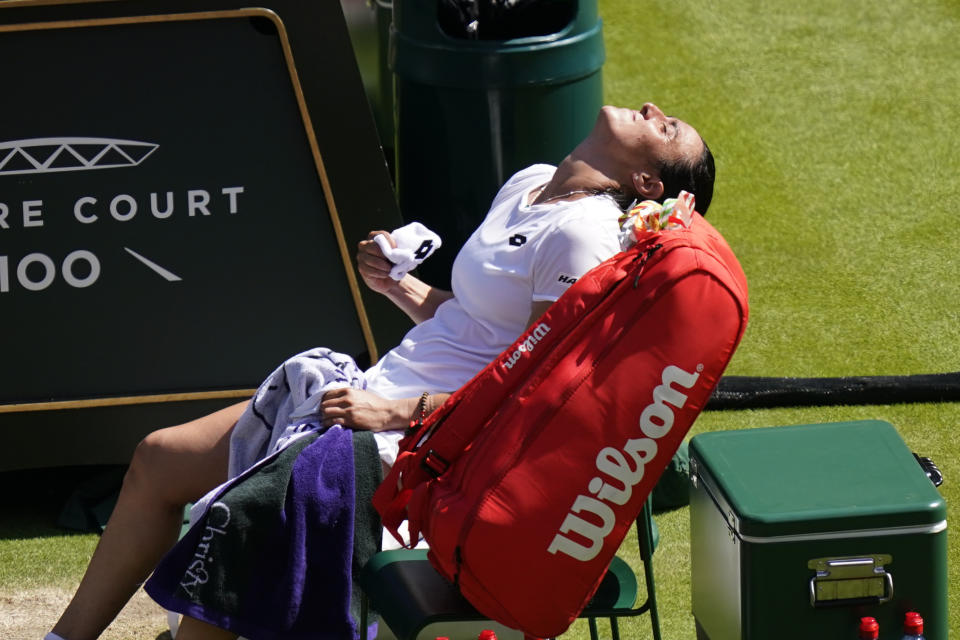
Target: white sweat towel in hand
415,243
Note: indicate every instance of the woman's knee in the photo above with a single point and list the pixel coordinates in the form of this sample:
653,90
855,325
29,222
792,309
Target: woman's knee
151,464
180,464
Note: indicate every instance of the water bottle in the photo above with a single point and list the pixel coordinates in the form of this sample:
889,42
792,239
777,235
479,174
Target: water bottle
912,626
869,629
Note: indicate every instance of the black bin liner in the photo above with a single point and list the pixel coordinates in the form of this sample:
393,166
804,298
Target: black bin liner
504,19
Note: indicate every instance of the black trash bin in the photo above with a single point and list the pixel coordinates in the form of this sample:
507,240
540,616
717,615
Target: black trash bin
470,110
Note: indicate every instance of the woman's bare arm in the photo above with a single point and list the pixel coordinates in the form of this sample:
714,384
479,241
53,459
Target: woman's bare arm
360,409
413,296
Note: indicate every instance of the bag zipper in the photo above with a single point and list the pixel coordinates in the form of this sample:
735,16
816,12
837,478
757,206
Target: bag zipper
642,259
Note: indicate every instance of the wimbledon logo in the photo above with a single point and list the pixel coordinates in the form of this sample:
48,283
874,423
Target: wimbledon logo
49,155
38,271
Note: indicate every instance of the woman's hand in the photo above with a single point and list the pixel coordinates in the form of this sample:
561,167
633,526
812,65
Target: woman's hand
374,268
365,410
414,297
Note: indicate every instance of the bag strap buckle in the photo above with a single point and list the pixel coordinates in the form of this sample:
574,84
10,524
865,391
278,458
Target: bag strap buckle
434,464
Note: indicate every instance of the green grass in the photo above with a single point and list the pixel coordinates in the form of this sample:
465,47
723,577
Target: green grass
34,550
46,559
835,128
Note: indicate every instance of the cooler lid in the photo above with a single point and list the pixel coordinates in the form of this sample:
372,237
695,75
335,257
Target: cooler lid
817,479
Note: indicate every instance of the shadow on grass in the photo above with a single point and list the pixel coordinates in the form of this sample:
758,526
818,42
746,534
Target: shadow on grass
62,501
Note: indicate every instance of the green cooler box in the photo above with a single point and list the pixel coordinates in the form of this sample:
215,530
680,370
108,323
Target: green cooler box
797,532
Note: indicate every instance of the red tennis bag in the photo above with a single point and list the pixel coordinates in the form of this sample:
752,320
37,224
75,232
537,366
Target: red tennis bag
527,479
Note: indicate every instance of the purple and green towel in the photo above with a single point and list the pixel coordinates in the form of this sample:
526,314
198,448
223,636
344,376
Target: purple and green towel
275,553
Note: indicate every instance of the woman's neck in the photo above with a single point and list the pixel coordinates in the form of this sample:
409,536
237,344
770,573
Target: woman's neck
575,178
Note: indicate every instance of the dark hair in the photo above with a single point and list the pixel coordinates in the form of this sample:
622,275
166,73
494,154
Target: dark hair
696,177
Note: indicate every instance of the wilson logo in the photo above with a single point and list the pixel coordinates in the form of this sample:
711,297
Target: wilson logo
528,345
620,470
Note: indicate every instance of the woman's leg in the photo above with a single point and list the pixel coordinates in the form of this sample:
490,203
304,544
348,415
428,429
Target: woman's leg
193,629
170,468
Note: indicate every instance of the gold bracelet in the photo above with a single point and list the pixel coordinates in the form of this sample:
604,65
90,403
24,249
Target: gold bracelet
416,420
429,406
422,407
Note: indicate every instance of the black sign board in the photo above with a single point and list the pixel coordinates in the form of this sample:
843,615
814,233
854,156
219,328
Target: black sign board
181,189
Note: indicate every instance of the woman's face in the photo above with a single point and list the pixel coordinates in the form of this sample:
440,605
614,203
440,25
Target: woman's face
645,139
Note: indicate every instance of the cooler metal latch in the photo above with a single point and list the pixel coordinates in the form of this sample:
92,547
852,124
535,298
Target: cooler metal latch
851,580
